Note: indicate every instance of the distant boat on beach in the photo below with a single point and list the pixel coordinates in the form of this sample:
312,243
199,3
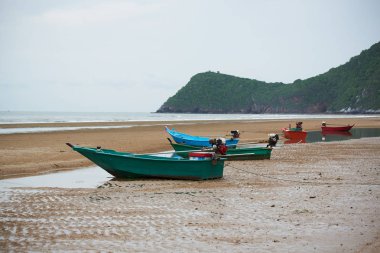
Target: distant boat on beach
295,133
199,141
332,127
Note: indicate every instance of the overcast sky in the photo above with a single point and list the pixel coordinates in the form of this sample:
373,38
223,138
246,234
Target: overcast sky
133,55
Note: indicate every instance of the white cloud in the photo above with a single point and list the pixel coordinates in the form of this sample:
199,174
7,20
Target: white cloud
103,13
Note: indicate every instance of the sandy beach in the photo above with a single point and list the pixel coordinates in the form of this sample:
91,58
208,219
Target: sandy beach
34,153
318,197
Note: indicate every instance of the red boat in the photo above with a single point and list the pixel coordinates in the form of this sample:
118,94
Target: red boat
336,128
294,134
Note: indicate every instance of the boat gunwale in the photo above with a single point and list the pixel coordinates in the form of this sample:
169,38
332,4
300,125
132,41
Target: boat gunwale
141,156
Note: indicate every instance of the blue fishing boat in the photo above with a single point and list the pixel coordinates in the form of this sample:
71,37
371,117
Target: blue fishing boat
199,141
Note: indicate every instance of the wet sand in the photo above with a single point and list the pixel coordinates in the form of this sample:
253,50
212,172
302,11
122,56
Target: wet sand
35,153
319,197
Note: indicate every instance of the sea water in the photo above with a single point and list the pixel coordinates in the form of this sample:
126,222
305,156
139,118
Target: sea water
9,117
90,177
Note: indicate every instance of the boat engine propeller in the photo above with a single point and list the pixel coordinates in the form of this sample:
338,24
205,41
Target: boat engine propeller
273,139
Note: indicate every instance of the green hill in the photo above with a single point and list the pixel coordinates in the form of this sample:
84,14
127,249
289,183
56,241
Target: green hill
350,88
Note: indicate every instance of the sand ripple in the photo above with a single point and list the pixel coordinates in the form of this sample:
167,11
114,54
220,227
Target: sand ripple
308,198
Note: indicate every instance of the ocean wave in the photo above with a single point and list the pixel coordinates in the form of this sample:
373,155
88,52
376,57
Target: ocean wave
52,129
82,117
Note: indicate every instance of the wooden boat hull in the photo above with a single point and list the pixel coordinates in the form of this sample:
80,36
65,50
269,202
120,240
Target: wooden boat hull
291,134
248,153
128,165
196,141
336,128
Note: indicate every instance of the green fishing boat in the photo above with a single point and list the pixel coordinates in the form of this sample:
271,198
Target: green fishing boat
129,165
238,153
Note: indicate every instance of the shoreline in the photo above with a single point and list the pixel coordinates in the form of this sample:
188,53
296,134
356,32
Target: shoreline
43,152
178,121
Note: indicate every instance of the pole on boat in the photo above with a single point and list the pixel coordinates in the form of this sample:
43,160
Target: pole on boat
173,151
338,124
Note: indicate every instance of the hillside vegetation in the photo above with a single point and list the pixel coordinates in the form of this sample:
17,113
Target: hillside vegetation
350,88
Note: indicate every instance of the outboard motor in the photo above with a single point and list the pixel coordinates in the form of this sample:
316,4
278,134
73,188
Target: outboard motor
219,146
235,134
273,139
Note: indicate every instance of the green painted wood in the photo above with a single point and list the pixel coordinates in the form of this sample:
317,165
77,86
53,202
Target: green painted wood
243,153
128,165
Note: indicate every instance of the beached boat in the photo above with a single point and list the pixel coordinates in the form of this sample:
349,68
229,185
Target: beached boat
336,128
197,141
294,133
129,165
238,153
340,133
